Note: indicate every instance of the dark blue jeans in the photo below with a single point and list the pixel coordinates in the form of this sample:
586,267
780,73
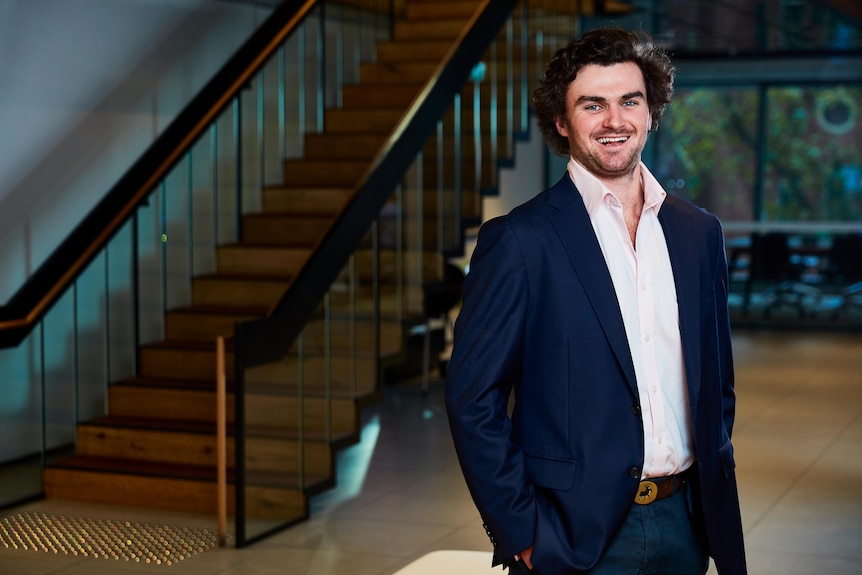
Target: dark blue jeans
656,539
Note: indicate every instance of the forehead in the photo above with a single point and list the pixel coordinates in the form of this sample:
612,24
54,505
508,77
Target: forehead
607,82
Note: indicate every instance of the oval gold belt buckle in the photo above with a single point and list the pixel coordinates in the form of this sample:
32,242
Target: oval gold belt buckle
647,492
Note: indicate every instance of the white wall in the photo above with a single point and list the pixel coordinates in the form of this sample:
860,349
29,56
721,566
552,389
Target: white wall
524,180
517,184
87,85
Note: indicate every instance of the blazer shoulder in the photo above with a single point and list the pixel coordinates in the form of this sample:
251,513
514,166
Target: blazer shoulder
547,201
677,210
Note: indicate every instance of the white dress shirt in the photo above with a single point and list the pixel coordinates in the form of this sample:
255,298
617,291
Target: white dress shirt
646,292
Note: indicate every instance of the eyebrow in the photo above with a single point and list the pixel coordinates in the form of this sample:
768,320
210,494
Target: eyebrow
637,94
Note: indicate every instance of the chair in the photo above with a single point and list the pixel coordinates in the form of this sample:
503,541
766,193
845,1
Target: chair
844,268
439,298
773,264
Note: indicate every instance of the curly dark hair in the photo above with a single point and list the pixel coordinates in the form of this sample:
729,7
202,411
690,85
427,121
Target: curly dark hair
604,47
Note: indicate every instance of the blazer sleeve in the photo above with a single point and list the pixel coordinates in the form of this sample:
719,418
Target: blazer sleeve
486,363
722,314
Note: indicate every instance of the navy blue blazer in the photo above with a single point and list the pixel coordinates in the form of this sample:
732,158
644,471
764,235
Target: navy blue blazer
540,317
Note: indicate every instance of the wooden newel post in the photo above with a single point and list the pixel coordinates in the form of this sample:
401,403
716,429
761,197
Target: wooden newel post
221,442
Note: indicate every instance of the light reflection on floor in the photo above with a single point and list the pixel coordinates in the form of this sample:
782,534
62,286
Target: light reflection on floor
400,494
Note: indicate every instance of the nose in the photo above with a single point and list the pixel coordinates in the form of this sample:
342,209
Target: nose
614,117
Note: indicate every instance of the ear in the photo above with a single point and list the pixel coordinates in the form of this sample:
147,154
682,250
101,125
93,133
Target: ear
560,123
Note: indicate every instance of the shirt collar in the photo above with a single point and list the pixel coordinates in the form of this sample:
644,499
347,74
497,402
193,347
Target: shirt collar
593,191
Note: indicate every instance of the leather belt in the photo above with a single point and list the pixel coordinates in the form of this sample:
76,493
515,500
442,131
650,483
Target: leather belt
658,488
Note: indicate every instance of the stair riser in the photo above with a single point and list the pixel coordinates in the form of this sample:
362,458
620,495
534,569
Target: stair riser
345,336
198,326
171,363
284,230
426,11
324,173
282,456
395,96
410,232
170,494
266,294
261,261
406,52
429,30
311,200
393,303
166,403
237,292
335,417
396,73
416,268
350,378
181,363
261,454
345,146
277,412
135,491
374,121
434,177
148,445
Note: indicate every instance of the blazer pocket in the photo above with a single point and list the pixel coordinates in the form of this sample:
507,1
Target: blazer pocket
556,474
727,460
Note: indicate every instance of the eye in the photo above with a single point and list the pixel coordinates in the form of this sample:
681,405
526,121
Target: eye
630,103
592,107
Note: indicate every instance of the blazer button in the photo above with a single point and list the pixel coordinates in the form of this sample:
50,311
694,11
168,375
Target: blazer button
635,472
636,409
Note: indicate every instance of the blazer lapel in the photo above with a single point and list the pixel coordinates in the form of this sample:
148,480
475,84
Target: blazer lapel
684,260
572,224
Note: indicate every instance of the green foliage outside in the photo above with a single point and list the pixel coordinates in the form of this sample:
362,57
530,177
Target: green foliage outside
708,145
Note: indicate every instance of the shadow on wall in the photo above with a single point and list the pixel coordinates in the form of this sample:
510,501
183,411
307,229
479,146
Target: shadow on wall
80,109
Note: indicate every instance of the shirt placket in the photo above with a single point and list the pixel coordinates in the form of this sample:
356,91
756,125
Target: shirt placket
648,332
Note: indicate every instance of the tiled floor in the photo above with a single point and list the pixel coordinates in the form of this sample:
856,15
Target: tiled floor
400,494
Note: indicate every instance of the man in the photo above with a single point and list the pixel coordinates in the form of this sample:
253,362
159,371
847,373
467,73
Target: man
600,307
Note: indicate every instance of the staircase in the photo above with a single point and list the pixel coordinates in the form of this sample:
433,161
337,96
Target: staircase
156,447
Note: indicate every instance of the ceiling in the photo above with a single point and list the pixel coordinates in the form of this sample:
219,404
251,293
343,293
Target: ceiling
726,27
735,27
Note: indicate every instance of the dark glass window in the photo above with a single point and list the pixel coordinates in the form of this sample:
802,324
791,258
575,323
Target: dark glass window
707,149
813,161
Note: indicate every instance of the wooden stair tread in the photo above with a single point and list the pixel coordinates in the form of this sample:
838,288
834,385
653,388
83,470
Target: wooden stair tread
204,473
171,383
207,428
215,309
188,344
251,247
229,276
151,424
286,389
140,467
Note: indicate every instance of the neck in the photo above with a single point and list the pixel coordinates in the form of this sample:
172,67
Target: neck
628,189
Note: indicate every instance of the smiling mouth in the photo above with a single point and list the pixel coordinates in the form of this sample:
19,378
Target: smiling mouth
612,141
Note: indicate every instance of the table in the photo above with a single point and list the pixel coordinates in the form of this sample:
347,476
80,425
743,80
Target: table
452,562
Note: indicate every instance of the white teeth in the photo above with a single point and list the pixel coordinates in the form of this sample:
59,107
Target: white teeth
611,140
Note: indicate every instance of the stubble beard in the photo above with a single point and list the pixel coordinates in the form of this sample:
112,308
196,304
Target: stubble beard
617,166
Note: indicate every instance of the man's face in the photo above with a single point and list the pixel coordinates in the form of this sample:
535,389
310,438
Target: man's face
607,119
